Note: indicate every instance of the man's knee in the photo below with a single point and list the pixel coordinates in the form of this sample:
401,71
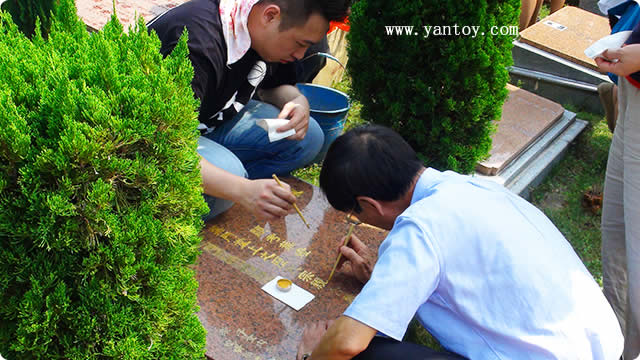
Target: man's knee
224,159
220,156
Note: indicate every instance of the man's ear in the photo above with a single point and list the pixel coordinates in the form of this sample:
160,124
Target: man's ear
271,13
365,201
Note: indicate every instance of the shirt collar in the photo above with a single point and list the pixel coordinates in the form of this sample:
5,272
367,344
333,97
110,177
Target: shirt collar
424,186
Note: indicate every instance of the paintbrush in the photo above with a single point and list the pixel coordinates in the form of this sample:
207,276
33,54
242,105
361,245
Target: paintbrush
294,205
346,242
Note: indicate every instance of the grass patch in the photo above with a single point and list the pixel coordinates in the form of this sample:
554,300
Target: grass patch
545,10
560,195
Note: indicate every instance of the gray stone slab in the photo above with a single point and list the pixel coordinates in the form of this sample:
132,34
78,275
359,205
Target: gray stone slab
532,165
529,57
580,95
534,174
525,117
512,171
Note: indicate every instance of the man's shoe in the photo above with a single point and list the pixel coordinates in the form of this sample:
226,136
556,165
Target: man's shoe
608,100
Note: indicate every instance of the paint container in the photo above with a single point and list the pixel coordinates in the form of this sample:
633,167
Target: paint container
284,285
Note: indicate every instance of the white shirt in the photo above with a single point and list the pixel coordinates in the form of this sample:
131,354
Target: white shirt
488,275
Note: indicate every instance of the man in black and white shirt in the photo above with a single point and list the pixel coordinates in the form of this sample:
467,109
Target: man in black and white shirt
231,44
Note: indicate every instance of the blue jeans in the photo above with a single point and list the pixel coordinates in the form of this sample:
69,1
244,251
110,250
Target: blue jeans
242,148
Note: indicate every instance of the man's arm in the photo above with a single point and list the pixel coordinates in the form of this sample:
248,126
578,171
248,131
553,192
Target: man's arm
264,198
294,105
344,339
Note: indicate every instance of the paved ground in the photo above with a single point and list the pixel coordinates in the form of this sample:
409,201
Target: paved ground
590,5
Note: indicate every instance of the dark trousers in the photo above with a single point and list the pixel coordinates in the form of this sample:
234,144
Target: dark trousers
382,348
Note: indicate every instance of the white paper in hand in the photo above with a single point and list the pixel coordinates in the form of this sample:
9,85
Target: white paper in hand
270,126
297,297
613,41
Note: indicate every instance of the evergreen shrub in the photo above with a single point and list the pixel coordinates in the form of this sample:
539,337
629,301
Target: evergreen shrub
441,93
100,194
25,13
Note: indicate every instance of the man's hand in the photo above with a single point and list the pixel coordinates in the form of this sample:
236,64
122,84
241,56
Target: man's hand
622,62
358,254
266,199
297,111
311,337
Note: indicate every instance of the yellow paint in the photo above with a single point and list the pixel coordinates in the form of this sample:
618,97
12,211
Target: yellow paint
284,284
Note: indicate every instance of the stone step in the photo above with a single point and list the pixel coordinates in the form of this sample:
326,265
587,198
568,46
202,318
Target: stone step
525,117
535,162
549,58
533,174
555,78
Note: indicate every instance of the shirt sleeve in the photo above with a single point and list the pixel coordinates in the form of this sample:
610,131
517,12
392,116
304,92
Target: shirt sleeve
404,277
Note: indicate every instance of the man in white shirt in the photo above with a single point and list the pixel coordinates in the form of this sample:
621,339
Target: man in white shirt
484,271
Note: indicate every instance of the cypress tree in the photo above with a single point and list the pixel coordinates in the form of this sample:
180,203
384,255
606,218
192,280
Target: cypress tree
442,91
26,12
100,194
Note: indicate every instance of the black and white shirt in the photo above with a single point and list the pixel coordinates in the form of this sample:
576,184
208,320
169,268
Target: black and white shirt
222,89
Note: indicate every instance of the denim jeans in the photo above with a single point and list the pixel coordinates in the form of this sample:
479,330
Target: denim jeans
242,148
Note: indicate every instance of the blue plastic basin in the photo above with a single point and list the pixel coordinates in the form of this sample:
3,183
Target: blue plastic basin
329,107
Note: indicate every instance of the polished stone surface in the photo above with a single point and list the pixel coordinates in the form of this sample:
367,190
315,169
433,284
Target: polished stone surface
525,117
567,33
96,13
240,254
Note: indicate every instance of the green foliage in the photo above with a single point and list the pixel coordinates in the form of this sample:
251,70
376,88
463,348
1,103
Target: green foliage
441,93
26,12
100,200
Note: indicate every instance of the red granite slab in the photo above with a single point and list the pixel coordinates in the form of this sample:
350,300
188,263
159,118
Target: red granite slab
240,254
96,13
525,117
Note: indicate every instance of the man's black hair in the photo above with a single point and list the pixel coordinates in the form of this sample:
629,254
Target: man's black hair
297,12
370,160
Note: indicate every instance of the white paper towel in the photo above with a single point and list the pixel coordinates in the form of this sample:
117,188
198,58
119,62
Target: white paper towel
613,41
271,125
297,297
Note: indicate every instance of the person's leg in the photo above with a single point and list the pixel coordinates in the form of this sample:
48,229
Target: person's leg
556,5
382,348
614,258
221,157
608,97
536,11
631,191
529,12
251,145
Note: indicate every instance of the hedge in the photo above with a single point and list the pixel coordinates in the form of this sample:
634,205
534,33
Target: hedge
441,93
100,194
26,12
